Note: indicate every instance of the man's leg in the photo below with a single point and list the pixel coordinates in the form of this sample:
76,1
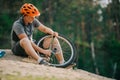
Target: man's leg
56,45
59,53
24,48
26,45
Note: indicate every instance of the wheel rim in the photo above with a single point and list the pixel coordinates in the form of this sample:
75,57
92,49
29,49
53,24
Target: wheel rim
67,48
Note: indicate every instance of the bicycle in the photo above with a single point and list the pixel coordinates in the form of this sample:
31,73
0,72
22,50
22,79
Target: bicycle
68,49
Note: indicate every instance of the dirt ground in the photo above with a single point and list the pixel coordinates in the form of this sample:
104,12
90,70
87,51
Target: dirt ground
13,65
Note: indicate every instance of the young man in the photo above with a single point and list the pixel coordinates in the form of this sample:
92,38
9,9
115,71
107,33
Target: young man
21,36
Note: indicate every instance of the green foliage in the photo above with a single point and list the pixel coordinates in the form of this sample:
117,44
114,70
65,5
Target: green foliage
5,28
6,23
112,47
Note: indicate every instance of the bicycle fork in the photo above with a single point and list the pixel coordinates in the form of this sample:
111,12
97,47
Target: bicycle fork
53,51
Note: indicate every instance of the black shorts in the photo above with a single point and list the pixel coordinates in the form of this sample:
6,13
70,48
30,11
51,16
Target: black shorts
19,51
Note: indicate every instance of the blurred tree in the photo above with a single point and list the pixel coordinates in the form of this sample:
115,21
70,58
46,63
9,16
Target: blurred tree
115,16
7,15
112,41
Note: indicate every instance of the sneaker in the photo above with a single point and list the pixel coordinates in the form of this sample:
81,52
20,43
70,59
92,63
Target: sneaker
44,62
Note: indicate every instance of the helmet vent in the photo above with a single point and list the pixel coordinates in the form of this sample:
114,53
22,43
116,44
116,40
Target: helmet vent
26,9
29,7
33,12
28,12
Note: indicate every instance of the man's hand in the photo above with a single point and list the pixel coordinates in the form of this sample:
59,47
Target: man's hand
55,34
47,53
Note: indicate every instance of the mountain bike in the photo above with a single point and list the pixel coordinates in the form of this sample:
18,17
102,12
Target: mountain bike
68,49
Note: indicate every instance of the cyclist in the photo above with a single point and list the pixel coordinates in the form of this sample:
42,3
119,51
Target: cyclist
21,36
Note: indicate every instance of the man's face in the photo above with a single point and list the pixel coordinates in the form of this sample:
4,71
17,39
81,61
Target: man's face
30,19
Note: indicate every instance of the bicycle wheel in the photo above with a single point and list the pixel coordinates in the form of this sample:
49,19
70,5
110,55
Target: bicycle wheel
68,49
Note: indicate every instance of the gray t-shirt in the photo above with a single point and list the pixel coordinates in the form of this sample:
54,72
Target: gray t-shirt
19,27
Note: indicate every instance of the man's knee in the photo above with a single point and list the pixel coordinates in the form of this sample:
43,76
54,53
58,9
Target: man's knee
47,42
24,41
57,48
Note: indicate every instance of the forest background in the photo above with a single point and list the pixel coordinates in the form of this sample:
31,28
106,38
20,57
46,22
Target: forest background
93,28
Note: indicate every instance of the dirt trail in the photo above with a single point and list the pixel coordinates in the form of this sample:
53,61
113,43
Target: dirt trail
13,65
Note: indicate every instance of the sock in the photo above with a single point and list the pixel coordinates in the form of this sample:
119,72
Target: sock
39,60
61,62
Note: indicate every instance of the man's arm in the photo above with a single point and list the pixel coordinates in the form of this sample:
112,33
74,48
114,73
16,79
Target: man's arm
21,36
45,29
36,48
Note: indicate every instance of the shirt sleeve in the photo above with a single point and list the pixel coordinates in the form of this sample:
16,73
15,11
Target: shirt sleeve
36,23
18,28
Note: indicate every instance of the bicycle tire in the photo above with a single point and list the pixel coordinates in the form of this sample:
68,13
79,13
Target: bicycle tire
65,44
